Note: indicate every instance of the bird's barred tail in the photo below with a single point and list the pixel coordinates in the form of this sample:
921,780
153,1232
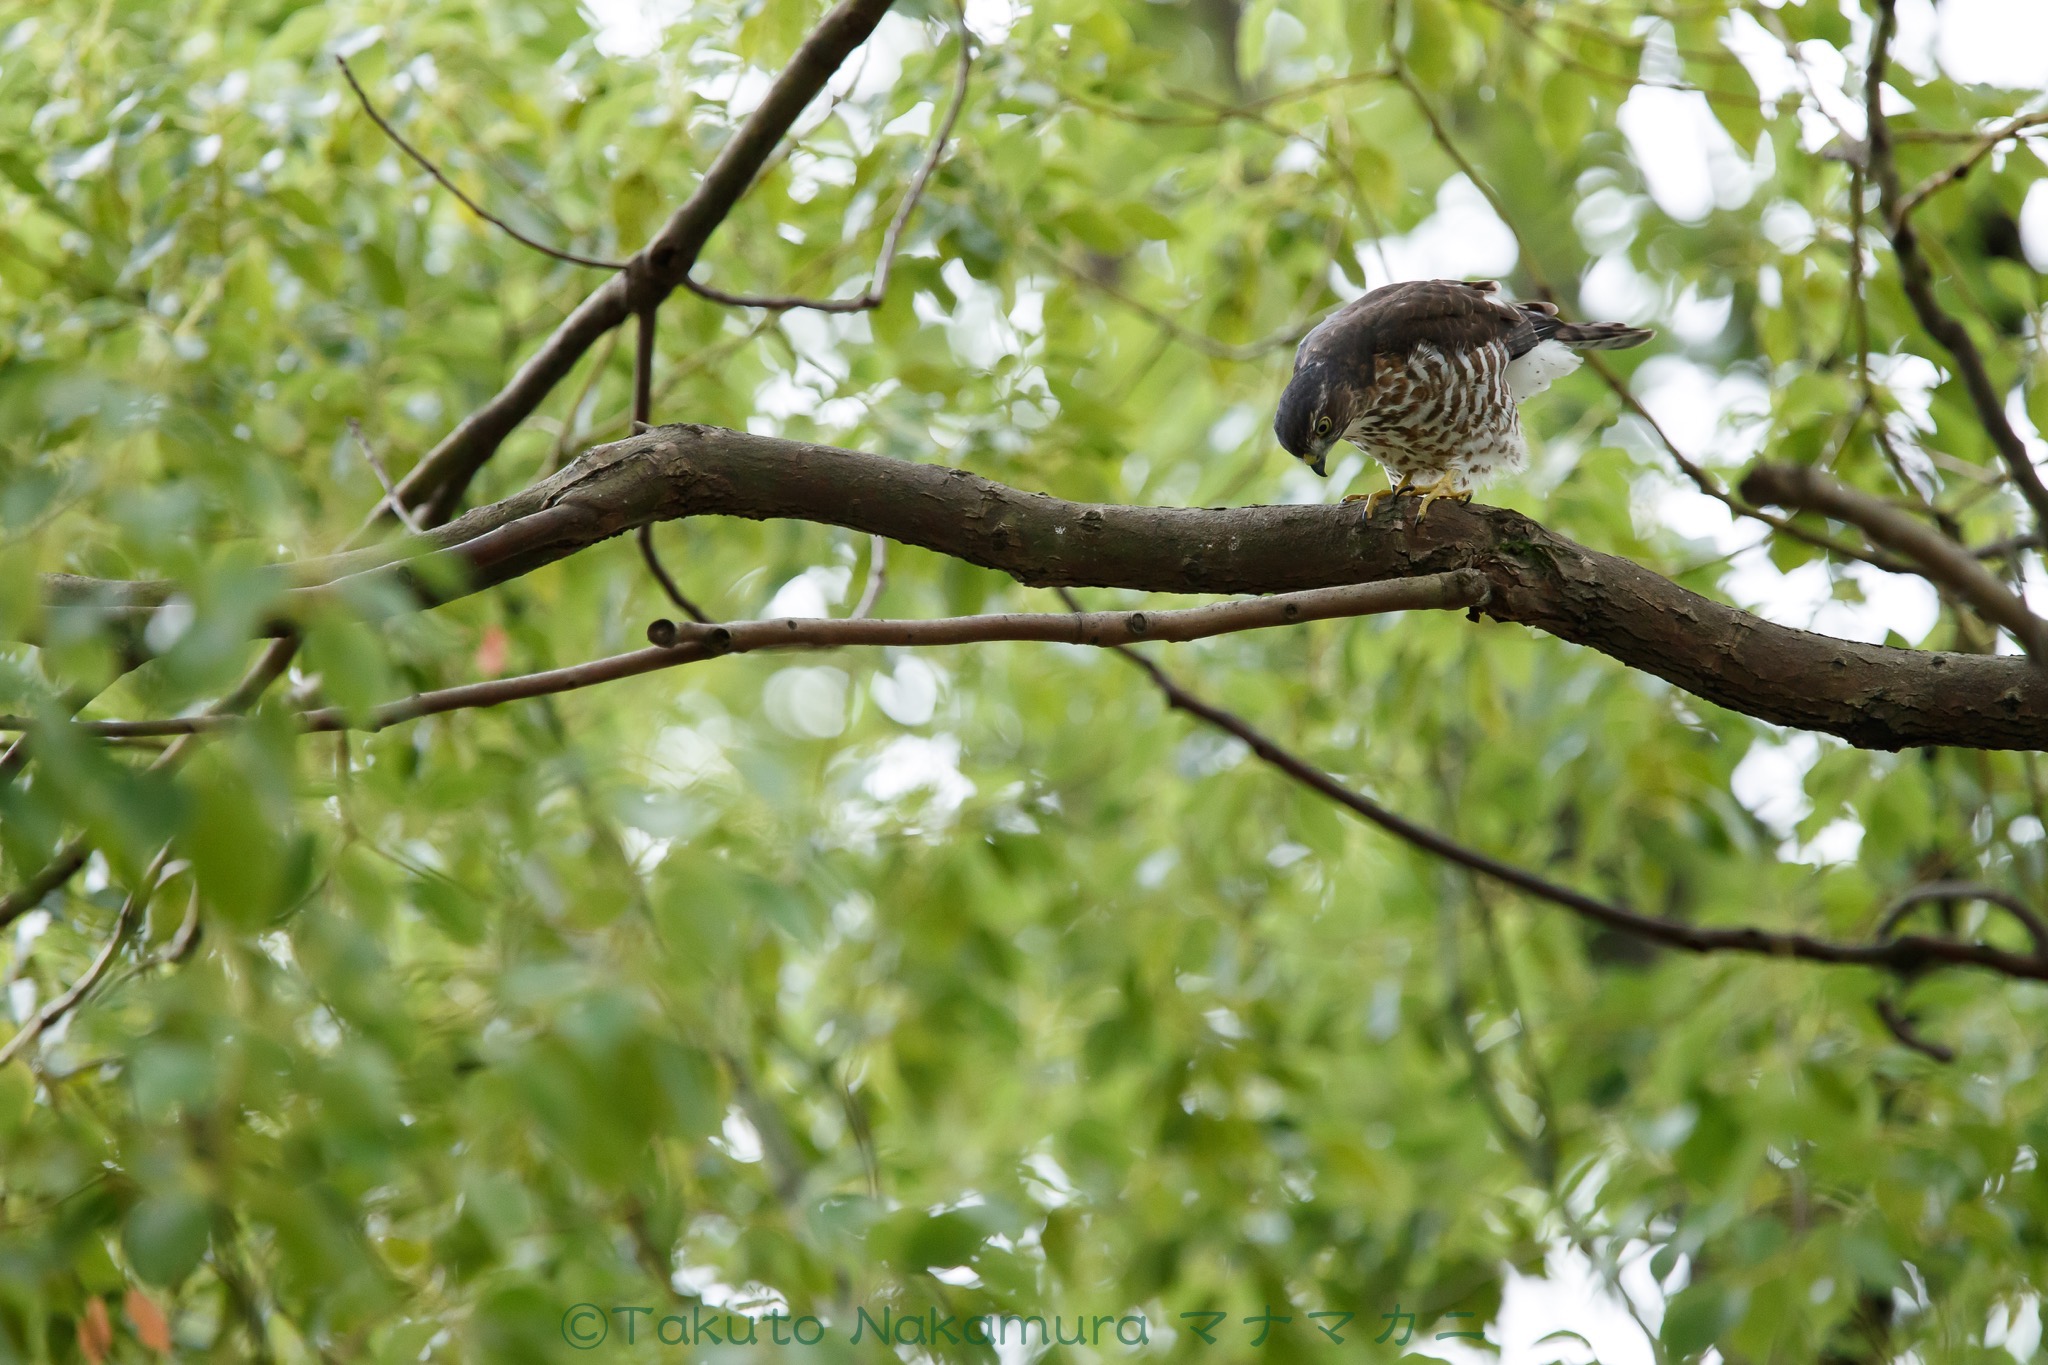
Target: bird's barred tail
1601,336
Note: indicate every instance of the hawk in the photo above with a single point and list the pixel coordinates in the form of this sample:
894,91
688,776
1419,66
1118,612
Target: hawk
1424,377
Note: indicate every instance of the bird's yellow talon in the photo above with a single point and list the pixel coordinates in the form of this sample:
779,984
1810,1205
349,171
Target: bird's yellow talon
1445,487
1373,499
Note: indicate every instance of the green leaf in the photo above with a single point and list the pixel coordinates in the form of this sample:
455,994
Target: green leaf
164,1236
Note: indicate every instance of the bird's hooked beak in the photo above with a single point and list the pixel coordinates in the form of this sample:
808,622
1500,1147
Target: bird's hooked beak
1317,462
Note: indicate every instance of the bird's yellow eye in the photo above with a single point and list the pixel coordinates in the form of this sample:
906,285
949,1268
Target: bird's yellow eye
1322,426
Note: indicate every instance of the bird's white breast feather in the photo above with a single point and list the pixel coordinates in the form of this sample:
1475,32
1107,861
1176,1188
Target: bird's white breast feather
1531,372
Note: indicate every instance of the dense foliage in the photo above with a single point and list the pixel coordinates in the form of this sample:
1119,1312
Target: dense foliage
973,980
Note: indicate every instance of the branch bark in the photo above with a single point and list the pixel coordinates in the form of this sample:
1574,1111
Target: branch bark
1458,589
1872,696
1944,561
436,484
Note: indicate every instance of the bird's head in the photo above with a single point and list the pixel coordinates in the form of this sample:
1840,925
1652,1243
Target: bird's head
1314,413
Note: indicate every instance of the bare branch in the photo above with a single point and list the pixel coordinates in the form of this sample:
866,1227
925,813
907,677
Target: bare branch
878,577
596,263
1289,335
1456,590
1711,486
1900,1025
652,559
131,909
1943,561
1220,111
391,498
892,239
1442,134
436,484
1983,147
1917,279
1904,956
1870,695
643,416
1953,893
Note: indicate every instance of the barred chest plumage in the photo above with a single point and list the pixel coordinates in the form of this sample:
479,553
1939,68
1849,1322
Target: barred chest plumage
1431,412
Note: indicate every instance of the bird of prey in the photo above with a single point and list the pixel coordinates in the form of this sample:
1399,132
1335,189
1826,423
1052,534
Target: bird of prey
1425,376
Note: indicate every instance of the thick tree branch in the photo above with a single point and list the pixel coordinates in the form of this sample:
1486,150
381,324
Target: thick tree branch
1944,561
435,485
1870,695
1905,956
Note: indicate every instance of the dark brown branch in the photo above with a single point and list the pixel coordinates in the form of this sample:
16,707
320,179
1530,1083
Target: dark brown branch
1900,1025
893,237
1983,147
643,417
472,205
1954,893
1870,695
2007,547
1904,956
652,559
436,484
1917,279
1452,591
1942,560
1711,486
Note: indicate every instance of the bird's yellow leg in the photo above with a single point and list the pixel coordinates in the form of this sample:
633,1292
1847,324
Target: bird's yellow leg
1372,499
1446,486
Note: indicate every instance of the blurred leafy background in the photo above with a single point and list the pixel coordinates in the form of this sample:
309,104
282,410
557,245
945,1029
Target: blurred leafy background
973,978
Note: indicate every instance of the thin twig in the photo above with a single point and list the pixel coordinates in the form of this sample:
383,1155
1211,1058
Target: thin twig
1711,486
878,577
391,498
1917,279
1983,147
2008,547
1954,893
1289,335
643,415
42,1019
661,575
1901,1026
594,262
72,854
1456,590
1904,956
879,289
1221,112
